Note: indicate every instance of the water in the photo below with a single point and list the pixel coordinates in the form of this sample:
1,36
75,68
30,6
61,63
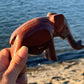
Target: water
13,13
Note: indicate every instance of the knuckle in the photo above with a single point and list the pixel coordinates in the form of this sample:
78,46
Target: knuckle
4,52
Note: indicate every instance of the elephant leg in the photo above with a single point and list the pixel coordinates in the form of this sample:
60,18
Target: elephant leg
50,52
46,53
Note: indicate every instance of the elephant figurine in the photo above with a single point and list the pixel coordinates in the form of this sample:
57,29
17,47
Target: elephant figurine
37,34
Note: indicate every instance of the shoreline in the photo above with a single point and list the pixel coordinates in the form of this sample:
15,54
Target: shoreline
68,72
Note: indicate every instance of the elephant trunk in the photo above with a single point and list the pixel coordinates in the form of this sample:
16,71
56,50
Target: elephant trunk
73,43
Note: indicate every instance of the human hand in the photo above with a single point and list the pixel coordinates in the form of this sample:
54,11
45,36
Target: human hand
13,72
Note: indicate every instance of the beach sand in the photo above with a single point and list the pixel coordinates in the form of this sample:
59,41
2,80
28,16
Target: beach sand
68,72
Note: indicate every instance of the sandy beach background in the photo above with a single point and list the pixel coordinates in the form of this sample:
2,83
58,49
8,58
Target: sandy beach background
68,72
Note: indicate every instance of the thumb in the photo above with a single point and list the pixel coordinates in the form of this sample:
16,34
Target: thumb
17,63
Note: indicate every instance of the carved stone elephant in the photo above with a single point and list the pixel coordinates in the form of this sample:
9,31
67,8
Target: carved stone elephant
37,34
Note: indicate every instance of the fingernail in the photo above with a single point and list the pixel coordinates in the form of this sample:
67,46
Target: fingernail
23,52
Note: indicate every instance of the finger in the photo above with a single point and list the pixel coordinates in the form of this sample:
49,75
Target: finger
22,79
4,58
17,63
24,69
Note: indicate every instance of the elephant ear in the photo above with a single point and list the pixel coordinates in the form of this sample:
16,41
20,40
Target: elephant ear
58,20
50,14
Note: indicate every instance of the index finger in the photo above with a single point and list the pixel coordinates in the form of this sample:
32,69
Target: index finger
4,58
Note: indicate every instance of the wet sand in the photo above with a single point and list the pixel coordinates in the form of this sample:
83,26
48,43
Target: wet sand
68,72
